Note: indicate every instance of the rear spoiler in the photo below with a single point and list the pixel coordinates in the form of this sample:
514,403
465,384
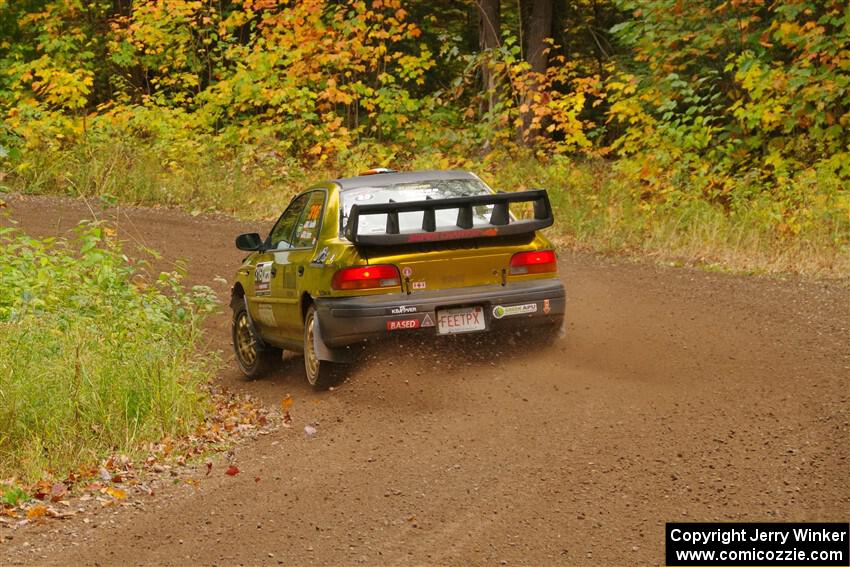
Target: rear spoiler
501,223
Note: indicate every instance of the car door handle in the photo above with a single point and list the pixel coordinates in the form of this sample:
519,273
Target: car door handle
300,270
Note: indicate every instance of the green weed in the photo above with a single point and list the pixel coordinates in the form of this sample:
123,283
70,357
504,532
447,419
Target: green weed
97,357
12,495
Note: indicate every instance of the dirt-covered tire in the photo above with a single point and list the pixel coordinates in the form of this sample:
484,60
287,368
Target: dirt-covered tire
254,358
321,374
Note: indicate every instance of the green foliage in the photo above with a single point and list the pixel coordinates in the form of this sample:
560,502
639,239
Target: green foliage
736,103
12,495
97,357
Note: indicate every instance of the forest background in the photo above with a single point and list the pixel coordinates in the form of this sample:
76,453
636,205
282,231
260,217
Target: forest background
703,131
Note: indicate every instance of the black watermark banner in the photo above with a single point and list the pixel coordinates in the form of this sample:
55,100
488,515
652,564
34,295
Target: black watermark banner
763,544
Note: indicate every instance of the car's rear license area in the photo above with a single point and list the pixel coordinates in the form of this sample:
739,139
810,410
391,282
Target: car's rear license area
442,312
461,320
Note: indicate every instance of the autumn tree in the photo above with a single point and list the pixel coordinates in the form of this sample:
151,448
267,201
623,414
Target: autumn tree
537,32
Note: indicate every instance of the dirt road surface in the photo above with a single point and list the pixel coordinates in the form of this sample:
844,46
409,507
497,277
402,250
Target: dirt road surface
677,395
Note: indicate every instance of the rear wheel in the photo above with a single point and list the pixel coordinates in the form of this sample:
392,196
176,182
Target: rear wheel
253,357
321,374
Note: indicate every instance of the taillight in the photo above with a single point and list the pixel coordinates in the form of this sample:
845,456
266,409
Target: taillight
366,277
537,262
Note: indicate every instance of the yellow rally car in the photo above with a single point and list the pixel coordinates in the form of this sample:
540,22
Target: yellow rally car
359,258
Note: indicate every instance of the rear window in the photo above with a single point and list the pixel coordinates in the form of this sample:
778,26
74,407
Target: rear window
418,191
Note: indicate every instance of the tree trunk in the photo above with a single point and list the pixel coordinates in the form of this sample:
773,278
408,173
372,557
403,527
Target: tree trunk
537,30
489,23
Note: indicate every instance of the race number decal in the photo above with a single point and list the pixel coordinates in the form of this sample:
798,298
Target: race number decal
263,278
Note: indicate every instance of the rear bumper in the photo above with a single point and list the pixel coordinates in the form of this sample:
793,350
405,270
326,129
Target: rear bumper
348,320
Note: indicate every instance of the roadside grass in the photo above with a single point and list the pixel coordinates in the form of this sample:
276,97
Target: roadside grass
97,356
251,184
597,207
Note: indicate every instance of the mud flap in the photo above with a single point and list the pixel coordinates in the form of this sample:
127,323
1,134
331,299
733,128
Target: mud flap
562,329
344,355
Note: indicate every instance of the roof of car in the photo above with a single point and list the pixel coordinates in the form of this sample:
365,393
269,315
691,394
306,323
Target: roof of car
384,179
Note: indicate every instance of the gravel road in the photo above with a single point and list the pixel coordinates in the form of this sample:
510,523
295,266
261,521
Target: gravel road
677,395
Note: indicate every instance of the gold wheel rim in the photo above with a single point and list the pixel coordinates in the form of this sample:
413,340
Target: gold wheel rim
311,361
246,346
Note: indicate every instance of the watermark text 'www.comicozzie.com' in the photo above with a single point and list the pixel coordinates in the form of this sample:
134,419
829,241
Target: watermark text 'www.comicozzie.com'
817,544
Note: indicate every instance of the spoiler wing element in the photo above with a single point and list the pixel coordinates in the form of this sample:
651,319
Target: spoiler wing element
500,222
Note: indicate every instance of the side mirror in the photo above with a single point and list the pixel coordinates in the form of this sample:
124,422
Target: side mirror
249,242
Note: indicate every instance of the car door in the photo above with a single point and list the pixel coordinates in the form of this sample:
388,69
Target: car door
305,237
272,304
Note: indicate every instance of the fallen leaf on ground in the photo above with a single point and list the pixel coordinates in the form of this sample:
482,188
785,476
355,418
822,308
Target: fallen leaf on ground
36,512
286,403
116,493
209,467
232,470
57,491
42,489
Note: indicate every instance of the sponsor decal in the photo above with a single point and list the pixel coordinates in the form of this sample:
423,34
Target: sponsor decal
452,234
321,256
546,307
402,310
401,324
500,311
407,271
419,285
427,321
263,278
